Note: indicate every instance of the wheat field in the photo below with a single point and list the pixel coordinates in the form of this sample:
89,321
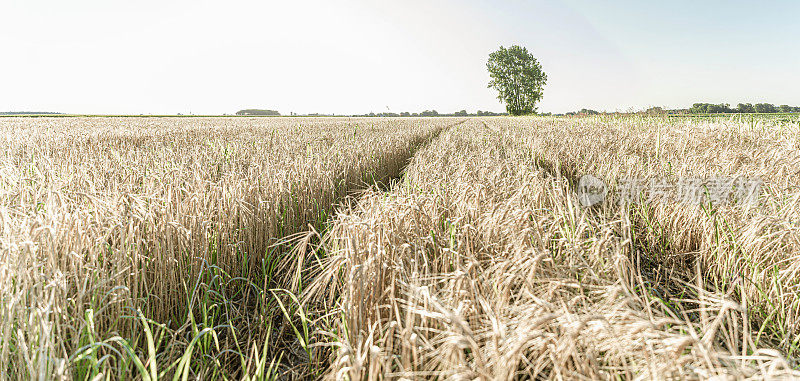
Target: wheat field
411,248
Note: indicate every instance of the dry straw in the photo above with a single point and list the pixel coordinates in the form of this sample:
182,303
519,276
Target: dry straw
261,248
483,265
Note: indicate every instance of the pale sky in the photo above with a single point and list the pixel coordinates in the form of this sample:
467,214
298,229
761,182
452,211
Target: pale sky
358,56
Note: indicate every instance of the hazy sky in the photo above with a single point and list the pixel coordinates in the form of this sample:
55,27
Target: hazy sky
351,56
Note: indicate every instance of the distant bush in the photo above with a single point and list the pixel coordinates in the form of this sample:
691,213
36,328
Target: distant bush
258,112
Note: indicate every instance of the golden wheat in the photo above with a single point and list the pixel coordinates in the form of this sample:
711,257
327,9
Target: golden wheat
263,248
181,219
483,265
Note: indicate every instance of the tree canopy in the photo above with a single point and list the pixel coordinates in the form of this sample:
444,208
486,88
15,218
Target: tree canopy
518,77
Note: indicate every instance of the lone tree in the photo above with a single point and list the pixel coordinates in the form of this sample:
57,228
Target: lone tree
518,77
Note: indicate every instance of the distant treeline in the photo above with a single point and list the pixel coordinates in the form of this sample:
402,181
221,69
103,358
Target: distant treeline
432,113
724,108
30,113
258,112
704,108
372,114
583,111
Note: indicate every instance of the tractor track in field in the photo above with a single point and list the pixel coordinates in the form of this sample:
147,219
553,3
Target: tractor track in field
306,243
